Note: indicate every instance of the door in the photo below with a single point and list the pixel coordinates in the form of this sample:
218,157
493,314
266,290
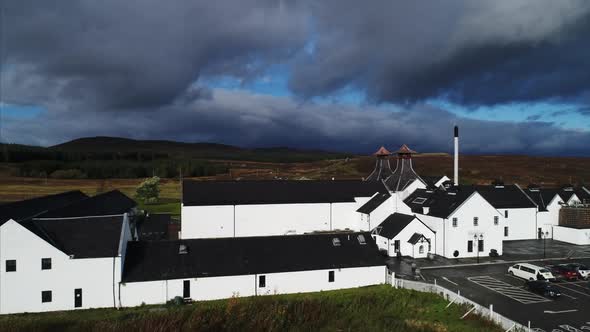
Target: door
186,289
540,232
480,245
469,246
78,298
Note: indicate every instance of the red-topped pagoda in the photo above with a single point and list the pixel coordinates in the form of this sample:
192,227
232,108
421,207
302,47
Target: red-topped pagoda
382,167
404,173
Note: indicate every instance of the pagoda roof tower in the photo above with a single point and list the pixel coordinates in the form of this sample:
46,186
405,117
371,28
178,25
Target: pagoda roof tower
382,167
404,173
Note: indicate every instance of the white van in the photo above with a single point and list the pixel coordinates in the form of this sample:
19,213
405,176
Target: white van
530,272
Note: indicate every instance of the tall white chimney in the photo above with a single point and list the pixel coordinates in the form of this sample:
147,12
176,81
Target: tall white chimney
456,170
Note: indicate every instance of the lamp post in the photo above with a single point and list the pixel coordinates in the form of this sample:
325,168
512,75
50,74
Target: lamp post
476,240
545,235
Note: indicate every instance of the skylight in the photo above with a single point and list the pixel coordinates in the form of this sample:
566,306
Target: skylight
361,239
419,200
336,242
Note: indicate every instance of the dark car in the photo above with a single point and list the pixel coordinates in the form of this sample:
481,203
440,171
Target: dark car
543,287
563,272
582,270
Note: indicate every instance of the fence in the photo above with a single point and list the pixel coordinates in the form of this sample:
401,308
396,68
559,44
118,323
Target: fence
453,297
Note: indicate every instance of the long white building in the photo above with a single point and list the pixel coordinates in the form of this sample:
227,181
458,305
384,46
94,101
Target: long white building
208,269
263,208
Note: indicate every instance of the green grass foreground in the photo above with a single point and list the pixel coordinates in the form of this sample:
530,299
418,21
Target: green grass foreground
376,308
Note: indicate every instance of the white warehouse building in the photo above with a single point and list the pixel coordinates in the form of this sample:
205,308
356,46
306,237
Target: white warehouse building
209,269
262,208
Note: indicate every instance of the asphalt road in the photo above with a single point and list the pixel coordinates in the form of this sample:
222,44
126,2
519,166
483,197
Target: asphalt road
491,284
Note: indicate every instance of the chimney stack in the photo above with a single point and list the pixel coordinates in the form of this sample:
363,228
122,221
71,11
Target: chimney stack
456,160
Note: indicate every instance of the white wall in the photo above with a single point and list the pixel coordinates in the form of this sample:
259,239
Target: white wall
213,288
378,215
572,235
207,221
407,249
522,223
20,291
269,219
456,237
280,219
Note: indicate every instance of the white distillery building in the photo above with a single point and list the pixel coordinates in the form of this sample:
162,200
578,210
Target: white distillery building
405,235
465,224
519,211
261,208
61,264
549,202
209,269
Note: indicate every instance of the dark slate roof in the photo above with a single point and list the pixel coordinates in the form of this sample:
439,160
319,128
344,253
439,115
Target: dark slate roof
566,194
542,196
394,224
80,237
32,207
106,204
505,196
402,176
155,227
416,237
373,203
441,203
161,260
275,192
431,181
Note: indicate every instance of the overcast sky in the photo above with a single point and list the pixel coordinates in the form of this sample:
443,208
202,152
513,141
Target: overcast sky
332,74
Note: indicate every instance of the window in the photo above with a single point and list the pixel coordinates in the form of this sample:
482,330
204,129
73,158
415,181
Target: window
505,213
261,281
45,263
419,200
45,296
11,265
496,220
506,231
455,222
396,245
480,245
361,239
475,221
330,276
469,246
429,246
421,249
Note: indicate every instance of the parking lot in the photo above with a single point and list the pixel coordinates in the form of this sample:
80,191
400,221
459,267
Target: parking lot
491,284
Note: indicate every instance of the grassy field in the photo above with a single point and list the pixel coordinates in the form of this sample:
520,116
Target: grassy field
376,308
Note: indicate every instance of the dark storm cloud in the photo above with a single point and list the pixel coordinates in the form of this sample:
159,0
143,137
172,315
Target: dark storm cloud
471,52
128,68
533,117
135,54
244,119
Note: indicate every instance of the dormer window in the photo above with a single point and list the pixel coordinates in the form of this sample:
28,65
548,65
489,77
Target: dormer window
419,200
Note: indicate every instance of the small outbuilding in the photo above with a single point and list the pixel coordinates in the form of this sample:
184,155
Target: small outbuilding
404,234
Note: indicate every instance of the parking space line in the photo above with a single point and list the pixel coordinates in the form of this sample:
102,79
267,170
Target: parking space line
514,292
573,290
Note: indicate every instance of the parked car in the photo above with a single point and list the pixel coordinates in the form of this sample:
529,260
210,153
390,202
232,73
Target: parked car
582,270
543,287
563,272
530,272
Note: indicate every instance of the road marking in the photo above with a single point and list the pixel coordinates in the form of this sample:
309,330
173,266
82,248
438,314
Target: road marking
447,279
516,293
559,312
573,290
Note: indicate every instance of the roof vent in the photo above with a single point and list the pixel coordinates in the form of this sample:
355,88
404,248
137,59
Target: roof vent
182,249
336,242
498,184
361,239
419,200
